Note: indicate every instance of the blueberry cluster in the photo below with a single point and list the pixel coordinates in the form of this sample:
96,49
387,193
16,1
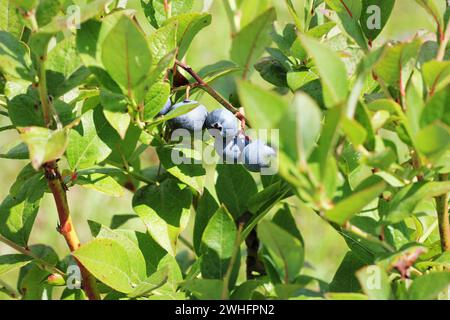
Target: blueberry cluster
230,142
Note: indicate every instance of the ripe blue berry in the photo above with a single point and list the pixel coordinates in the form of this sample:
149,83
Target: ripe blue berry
230,148
165,109
257,155
222,122
193,120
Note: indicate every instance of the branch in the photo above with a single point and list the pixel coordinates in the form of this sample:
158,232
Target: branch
42,263
443,217
58,189
444,42
213,93
43,94
66,227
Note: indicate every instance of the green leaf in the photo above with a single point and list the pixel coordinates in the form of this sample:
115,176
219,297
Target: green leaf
250,43
428,286
354,131
157,14
405,201
286,250
349,13
206,208
108,260
85,148
24,111
155,281
217,244
300,128
436,108
374,282
102,183
344,279
14,150
333,73
397,63
19,209
115,109
436,10
373,19
272,71
436,75
163,41
156,98
205,289
44,144
9,18
328,138
234,187
263,108
15,61
433,140
64,68
164,209
11,262
190,171
284,219
189,24
126,55
361,196
128,242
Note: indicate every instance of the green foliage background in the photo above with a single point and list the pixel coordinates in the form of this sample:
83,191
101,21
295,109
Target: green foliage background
325,248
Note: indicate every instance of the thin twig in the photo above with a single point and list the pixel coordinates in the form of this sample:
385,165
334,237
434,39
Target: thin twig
367,236
443,217
42,263
213,93
444,43
66,227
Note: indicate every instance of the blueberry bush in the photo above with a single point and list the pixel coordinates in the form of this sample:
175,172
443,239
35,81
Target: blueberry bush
319,110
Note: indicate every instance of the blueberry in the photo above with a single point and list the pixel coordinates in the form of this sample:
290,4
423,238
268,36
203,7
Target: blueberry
222,122
230,148
193,120
257,155
165,109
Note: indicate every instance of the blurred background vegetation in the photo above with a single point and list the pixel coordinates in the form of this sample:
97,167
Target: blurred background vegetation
324,247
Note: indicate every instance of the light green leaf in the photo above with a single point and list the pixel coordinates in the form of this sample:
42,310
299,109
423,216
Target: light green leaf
164,209
433,140
428,286
349,13
436,75
102,183
9,18
205,289
11,262
109,261
19,209
44,144
333,73
115,109
374,282
263,108
217,244
126,55
405,201
362,195
155,281
250,43
191,171
156,98
397,63
189,24
15,61
85,148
